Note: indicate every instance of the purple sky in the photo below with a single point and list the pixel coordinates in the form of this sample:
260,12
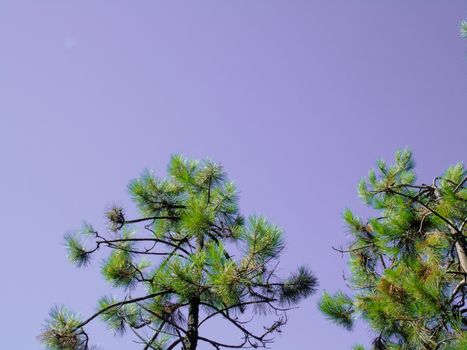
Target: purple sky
296,98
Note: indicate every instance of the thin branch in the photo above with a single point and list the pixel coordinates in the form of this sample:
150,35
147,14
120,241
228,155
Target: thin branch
154,337
434,212
230,307
134,221
162,318
460,185
217,345
352,250
146,240
121,303
234,322
174,344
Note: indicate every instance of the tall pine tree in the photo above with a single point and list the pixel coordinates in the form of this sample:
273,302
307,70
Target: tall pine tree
408,262
192,258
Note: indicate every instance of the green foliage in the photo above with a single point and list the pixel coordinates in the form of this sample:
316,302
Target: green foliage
408,261
59,332
116,318
338,308
119,269
197,217
457,344
298,285
358,347
464,29
177,253
264,240
77,253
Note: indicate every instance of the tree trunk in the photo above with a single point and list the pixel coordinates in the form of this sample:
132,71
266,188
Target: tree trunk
462,255
190,342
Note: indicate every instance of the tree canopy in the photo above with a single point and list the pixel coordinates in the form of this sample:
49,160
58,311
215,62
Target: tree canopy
408,262
192,258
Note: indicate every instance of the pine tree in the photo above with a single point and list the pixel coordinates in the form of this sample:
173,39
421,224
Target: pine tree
408,262
192,257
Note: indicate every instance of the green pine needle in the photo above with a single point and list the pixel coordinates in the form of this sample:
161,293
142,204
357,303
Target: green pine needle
358,347
263,238
464,29
338,308
188,251
77,253
299,285
59,332
119,269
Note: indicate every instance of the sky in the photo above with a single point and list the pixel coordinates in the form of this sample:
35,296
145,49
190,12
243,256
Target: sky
297,99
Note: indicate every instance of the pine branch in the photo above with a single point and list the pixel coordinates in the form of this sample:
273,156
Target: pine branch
121,303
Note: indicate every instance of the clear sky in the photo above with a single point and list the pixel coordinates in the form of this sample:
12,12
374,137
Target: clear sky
296,98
